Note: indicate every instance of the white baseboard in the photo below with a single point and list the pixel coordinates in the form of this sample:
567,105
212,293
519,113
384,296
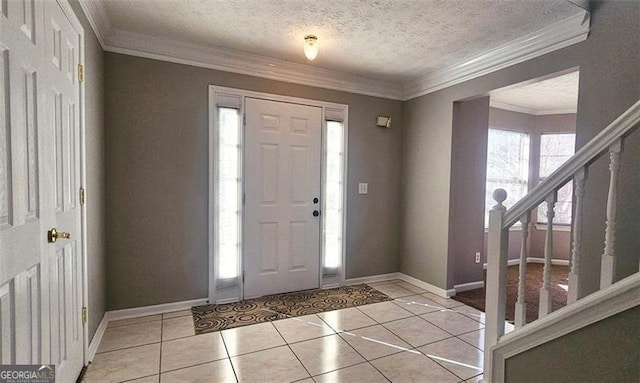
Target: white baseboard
512,262
559,262
155,309
97,337
372,278
468,286
427,286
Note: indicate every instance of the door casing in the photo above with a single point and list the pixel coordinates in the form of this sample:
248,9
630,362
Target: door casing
229,291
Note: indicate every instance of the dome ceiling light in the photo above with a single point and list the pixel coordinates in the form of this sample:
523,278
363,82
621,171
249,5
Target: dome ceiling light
310,47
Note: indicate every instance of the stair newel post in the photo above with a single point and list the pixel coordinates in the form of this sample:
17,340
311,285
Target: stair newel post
607,270
576,250
545,292
496,291
521,306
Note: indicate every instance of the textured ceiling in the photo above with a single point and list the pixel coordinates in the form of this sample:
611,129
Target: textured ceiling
386,39
555,94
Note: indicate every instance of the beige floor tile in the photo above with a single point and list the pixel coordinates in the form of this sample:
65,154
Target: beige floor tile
219,371
416,331
275,365
308,380
128,321
127,364
385,311
302,328
177,328
119,337
176,314
411,287
243,340
185,352
471,312
452,322
412,367
456,356
374,342
148,379
475,338
418,304
393,290
445,302
325,354
355,374
346,319
475,379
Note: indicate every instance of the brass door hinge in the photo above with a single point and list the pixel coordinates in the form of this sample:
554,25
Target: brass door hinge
82,197
80,72
84,315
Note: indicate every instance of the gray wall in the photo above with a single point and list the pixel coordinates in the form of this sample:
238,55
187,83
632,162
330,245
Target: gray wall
604,352
157,161
95,186
468,167
609,84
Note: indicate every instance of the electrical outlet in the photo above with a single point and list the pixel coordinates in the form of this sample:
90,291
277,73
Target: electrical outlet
477,257
363,188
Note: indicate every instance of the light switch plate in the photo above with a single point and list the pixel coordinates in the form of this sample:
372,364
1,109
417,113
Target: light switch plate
363,188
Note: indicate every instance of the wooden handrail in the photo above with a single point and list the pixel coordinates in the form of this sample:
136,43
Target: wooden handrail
622,125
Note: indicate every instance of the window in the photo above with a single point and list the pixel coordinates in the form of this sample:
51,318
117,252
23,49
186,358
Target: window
556,149
228,198
507,167
334,187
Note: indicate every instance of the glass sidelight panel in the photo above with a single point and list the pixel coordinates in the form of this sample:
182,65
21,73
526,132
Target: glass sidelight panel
228,197
333,209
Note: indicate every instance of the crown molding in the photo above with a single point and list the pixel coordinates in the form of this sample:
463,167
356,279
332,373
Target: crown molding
556,36
533,112
98,17
562,34
228,60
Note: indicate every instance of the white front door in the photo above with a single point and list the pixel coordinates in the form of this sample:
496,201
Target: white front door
282,170
40,282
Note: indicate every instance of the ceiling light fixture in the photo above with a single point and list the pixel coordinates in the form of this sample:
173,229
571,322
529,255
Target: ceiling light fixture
310,47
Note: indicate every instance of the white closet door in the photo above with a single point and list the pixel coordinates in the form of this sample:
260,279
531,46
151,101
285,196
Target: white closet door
40,282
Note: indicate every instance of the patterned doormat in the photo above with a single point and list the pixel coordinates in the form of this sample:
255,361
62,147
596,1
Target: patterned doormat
216,317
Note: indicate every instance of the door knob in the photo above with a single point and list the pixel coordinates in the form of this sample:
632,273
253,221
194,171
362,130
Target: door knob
316,213
53,235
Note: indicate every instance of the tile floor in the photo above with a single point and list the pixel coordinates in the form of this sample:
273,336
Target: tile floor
418,337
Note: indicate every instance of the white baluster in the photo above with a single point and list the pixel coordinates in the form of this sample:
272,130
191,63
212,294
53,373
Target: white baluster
521,306
576,251
607,270
496,291
545,292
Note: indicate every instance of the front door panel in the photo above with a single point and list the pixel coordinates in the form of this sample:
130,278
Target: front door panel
282,178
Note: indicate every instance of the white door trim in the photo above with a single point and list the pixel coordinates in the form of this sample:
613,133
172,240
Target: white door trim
231,293
77,26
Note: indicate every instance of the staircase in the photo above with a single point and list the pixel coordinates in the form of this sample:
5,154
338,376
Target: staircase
613,297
